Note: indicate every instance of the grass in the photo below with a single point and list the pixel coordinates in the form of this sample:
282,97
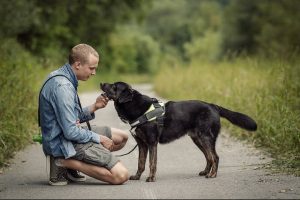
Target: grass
267,90
17,99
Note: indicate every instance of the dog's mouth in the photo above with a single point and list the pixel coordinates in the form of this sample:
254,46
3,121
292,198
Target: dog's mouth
105,95
105,88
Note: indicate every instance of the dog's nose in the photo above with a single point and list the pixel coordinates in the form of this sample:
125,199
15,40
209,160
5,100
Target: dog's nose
101,85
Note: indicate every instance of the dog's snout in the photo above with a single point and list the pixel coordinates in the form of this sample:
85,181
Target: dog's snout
102,86
105,87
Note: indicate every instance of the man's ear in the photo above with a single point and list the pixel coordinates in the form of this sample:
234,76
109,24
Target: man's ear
77,64
126,96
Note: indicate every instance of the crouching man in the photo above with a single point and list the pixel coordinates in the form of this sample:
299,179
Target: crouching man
74,148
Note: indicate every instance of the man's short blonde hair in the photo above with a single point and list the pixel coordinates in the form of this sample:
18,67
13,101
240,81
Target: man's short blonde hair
81,53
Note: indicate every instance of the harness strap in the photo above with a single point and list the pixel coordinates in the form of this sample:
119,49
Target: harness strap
157,112
160,125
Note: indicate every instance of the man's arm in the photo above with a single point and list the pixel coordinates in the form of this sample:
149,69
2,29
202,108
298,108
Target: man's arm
101,102
88,112
63,102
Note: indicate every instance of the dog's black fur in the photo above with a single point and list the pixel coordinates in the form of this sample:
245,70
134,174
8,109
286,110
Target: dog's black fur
200,119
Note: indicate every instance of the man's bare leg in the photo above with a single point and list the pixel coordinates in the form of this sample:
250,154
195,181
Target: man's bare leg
117,175
119,138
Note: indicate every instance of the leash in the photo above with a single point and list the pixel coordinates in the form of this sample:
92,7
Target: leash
127,152
132,133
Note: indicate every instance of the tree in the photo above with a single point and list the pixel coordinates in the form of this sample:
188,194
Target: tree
279,22
17,16
239,27
44,27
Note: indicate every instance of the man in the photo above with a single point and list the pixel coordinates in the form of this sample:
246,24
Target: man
71,146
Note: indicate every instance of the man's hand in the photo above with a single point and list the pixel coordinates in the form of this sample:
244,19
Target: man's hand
106,142
101,102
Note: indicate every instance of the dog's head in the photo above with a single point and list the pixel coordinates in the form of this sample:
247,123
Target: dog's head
119,91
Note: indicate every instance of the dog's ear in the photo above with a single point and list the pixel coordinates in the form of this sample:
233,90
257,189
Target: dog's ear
126,96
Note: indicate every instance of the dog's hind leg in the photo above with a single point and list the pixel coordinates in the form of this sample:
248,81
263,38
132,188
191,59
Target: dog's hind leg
143,151
208,162
207,144
152,162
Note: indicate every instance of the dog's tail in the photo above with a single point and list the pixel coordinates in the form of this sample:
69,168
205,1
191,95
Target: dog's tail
237,118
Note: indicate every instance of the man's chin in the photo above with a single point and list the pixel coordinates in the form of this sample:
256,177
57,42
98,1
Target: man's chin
85,79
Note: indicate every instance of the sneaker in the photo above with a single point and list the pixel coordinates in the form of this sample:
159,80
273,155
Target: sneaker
57,174
74,176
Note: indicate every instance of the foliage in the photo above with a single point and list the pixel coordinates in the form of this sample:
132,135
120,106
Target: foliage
239,29
52,25
186,29
17,99
204,30
211,30
267,90
17,16
166,23
202,48
261,26
132,52
279,34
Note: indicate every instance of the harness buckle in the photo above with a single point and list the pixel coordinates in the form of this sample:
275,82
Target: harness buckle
132,131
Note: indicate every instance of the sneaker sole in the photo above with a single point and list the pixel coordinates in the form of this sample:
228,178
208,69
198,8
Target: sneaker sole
71,178
61,183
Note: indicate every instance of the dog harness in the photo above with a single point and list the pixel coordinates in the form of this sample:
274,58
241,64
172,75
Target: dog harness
155,111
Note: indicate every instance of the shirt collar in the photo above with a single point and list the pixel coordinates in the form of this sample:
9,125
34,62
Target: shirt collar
72,75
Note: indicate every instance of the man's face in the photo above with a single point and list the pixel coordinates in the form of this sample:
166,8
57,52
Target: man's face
85,70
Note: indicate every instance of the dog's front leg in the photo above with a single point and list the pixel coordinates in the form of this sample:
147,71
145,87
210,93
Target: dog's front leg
143,151
152,163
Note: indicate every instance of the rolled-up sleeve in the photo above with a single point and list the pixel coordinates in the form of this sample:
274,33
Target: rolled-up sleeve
63,102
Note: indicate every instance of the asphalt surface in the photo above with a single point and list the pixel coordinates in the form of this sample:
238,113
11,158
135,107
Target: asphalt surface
241,174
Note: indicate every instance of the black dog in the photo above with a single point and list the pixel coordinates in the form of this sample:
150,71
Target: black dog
200,119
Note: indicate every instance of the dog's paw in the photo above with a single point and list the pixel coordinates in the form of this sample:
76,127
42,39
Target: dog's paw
203,173
135,177
151,179
211,175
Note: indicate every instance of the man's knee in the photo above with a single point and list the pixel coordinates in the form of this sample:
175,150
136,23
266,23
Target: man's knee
121,178
120,174
120,135
125,137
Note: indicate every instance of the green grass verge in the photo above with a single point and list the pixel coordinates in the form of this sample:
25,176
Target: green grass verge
267,90
17,99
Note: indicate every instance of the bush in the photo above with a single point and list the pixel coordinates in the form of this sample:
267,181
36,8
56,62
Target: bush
132,51
204,48
17,99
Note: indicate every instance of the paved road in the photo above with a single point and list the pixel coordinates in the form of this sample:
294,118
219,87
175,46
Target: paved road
240,171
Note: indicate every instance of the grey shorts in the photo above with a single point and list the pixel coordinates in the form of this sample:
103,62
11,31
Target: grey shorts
94,153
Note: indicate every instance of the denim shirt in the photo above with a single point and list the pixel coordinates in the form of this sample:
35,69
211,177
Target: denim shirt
60,113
